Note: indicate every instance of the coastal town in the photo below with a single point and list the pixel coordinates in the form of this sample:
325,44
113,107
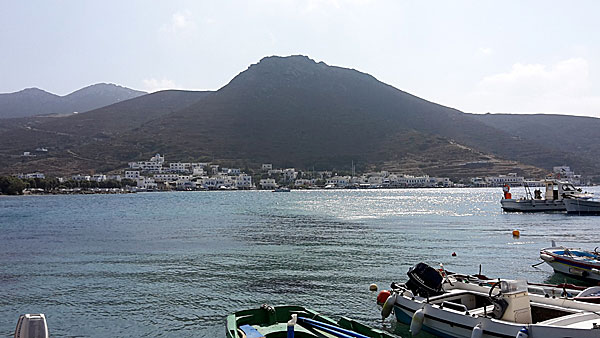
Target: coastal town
156,174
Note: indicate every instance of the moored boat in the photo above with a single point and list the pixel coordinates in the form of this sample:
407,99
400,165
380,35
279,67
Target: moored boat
447,308
32,326
273,322
281,189
553,199
573,261
582,206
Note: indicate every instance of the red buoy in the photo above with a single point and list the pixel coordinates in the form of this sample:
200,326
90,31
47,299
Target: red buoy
454,254
382,297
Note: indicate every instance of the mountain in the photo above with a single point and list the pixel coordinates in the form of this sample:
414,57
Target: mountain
290,111
295,111
571,134
64,135
34,101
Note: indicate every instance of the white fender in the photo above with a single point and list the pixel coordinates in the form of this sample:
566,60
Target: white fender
523,333
417,322
477,331
388,306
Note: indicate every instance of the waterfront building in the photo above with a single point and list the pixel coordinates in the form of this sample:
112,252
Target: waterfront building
132,174
302,182
266,166
511,179
289,174
198,171
98,178
166,177
233,171
114,177
79,177
268,183
565,173
243,181
31,175
338,181
178,167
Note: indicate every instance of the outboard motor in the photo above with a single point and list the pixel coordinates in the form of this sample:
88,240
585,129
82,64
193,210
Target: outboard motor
424,280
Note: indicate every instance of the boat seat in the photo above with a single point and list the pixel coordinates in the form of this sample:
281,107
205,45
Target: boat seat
480,311
251,332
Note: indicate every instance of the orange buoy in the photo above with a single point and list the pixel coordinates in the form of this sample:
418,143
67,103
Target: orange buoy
516,233
382,296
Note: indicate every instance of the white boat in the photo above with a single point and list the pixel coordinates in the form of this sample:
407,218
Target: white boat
582,206
32,326
452,308
282,189
573,261
553,199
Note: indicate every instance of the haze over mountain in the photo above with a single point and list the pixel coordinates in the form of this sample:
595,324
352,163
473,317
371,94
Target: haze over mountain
290,111
34,101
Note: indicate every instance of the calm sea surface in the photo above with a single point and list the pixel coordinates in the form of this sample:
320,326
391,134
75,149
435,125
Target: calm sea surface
175,264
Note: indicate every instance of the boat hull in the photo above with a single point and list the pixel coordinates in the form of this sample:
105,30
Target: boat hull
450,323
268,321
528,205
582,206
574,265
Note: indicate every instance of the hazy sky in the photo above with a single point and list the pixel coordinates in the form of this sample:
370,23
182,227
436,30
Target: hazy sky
476,56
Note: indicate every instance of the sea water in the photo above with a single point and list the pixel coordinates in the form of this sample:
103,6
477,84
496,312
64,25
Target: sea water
175,264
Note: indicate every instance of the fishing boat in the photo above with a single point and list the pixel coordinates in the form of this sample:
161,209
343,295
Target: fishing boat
573,261
281,189
436,303
553,199
582,206
278,321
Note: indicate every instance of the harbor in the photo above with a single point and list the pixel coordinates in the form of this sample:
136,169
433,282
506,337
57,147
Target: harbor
177,264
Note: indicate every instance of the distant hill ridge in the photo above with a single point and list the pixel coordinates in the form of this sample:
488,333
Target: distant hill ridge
35,101
291,111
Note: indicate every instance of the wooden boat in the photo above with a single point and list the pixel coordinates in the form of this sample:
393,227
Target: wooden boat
574,262
436,304
273,322
553,200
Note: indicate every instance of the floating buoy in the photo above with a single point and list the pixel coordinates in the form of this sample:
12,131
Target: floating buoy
454,254
417,322
388,306
516,233
373,287
382,297
477,331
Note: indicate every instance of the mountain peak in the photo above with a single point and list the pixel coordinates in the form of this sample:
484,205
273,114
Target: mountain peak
35,101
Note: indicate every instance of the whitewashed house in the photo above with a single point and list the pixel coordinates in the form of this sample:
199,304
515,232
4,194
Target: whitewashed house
511,179
166,177
290,174
98,178
80,177
132,174
243,181
268,183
